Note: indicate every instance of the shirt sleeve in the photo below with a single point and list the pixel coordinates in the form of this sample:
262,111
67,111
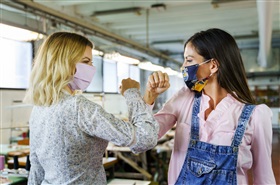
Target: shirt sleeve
262,145
168,115
140,133
37,173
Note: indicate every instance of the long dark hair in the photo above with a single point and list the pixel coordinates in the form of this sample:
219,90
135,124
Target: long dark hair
220,45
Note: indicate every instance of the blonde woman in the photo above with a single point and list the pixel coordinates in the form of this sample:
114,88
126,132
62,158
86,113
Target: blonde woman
68,133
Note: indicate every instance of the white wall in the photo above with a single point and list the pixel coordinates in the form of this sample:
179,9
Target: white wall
13,113
276,117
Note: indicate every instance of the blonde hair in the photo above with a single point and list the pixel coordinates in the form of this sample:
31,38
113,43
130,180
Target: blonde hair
54,66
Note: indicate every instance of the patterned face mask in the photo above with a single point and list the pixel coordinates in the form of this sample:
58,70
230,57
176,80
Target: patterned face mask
190,78
83,76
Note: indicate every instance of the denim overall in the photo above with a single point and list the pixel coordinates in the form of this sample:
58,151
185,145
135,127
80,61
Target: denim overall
212,164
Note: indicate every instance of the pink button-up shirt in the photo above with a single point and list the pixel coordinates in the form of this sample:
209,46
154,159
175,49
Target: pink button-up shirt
218,129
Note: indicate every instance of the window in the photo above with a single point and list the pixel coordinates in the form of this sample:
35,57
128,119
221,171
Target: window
110,76
97,81
15,64
123,72
134,73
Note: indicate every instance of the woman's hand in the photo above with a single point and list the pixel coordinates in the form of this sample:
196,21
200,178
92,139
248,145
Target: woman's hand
158,83
127,84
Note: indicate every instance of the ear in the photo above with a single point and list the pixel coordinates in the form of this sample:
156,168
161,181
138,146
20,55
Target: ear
214,66
74,70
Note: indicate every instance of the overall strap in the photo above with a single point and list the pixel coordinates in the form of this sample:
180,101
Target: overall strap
195,120
242,124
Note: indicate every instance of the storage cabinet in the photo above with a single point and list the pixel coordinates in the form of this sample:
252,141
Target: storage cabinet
269,95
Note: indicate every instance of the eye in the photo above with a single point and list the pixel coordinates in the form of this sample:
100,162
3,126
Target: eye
188,60
87,62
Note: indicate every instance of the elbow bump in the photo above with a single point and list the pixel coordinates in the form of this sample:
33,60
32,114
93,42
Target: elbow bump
152,142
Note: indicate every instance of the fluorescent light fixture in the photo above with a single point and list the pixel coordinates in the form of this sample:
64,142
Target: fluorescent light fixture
118,11
121,58
97,52
19,34
180,75
170,71
150,67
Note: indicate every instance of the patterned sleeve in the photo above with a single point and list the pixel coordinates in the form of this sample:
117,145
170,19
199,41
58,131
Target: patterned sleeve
140,133
36,174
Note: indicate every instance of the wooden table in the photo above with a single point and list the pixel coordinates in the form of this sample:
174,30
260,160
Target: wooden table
109,163
118,152
6,148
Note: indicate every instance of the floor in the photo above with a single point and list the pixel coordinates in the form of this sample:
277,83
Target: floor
275,156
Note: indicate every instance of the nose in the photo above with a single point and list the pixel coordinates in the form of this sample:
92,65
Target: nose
185,64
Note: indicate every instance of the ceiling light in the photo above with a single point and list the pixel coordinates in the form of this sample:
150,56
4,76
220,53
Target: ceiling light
150,67
15,33
159,6
97,52
118,11
171,72
179,75
121,58
168,42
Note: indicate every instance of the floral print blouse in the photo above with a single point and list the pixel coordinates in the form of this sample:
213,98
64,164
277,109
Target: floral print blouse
68,139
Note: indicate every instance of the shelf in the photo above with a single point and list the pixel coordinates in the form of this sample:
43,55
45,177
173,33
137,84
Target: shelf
269,95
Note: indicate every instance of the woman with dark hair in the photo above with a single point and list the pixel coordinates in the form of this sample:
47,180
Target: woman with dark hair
220,132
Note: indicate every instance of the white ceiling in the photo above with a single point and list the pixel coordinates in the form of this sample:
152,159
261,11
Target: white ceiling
166,28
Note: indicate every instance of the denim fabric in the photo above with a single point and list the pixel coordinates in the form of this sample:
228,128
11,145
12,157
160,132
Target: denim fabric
206,163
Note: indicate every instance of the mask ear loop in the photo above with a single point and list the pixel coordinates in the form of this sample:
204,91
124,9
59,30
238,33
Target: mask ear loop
206,78
205,62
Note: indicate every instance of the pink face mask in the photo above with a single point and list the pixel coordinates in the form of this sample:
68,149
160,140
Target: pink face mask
83,77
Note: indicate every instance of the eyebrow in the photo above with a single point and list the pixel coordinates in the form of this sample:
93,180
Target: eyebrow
86,58
189,56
